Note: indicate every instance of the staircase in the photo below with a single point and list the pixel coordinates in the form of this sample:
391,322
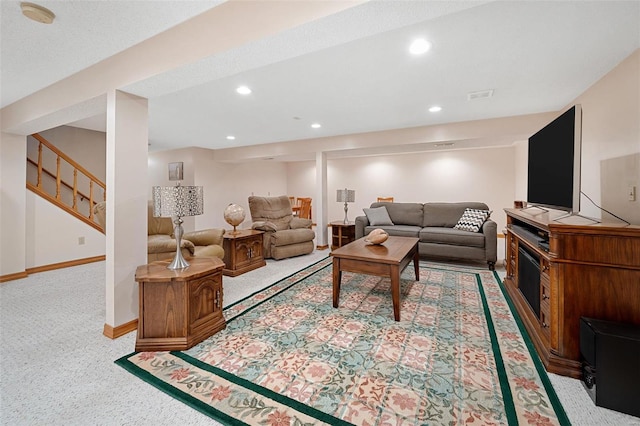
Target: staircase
59,179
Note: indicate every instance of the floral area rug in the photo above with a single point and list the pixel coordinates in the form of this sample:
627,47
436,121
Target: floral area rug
287,357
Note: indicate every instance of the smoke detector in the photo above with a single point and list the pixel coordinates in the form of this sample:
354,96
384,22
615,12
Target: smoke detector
483,94
37,13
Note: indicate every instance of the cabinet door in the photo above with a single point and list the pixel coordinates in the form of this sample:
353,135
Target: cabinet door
248,250
205,301
256,249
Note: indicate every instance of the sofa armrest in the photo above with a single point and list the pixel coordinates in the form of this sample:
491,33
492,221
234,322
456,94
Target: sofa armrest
361,223
490,231
264,226
168,245
205,237
300,223
100,213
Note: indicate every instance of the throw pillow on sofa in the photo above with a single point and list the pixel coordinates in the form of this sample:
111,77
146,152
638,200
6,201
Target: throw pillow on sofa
378,216
472,220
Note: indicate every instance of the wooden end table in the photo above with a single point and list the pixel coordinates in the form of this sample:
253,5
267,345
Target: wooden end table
243,251
385,260
342,233
179,308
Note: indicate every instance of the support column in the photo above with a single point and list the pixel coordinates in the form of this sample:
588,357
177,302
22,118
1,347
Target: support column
320,215
13,174
126,221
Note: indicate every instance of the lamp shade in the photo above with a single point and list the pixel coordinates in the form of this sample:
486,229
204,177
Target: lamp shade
177,201
346,195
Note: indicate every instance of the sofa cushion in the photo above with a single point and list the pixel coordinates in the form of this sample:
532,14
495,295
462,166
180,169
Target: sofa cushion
396,230
447,214
378,216
472,220
158,225
403,213
451,236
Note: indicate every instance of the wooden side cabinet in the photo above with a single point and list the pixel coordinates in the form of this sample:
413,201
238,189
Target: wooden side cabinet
558,273
342,233
242,251
179,308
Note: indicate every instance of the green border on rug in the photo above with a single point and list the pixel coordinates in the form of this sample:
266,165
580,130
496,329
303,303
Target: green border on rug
188,400
268,393
210,410
274,284
553,397
507,396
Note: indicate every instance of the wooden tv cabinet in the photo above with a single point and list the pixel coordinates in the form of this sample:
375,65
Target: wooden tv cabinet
590,270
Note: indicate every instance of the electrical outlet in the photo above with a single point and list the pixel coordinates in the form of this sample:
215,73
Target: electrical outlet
80,241
631,193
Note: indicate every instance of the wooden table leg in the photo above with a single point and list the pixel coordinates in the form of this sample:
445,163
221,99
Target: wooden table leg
416,263
395,291
337,277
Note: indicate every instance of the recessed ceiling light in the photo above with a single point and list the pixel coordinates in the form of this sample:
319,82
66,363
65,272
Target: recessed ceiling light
435,108
37,13
419,46
243,90
231,137
440,145
316,125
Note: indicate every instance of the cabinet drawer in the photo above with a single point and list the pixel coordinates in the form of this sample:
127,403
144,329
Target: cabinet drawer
512,268
545,317
544,268
545,289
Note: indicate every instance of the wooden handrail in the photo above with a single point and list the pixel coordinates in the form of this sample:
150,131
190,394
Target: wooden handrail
68,159
61,156
63,182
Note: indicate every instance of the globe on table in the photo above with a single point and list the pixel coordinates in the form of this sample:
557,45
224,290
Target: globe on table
234,215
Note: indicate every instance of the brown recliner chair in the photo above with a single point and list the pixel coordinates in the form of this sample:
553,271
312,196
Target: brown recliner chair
284,235
161,245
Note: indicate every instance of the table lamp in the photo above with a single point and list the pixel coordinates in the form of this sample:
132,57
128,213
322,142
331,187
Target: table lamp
177,201
346,196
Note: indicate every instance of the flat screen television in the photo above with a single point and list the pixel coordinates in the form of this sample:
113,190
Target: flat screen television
553,178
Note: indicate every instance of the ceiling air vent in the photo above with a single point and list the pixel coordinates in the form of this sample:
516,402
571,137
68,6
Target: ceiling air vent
483,94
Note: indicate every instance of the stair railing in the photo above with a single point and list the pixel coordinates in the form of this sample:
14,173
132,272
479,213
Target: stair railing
94,184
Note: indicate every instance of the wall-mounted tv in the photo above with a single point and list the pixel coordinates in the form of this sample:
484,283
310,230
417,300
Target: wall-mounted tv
553,178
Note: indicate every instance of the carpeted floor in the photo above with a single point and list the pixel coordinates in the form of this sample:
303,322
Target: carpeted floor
56,367
456,357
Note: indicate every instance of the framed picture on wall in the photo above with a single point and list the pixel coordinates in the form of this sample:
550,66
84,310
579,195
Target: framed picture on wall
175,171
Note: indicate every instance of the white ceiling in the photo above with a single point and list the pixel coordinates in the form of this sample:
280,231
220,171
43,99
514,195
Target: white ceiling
351,71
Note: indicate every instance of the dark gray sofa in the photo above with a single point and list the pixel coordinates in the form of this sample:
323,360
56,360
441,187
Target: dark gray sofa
434,224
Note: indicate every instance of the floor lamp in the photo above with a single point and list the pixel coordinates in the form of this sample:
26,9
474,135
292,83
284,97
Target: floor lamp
177,201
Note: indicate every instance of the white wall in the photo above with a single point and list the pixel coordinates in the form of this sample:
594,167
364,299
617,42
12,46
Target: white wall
521,158
13,151
86,147
52,235
223,183
486,175
610,129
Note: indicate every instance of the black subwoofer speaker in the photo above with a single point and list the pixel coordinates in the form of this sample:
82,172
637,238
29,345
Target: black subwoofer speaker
610,355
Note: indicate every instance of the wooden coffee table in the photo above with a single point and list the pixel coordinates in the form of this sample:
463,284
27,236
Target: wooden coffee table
385,260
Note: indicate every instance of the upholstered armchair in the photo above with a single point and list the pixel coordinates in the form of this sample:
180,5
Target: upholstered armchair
284,235
161,244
